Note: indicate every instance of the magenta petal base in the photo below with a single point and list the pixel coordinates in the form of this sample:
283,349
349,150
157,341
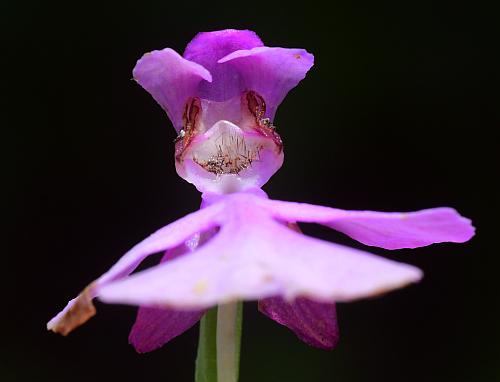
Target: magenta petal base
313,322
155,327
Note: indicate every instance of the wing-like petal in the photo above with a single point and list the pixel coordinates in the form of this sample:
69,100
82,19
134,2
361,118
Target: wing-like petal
163,239
212,275
260,259
80,309
390,230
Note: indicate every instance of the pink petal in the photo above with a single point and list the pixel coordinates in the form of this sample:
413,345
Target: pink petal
390,230
207,48
80,309
163,239
254,257
171,80
313,322
271,72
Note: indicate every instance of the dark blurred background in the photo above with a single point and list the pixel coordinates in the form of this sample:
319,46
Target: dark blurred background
399,113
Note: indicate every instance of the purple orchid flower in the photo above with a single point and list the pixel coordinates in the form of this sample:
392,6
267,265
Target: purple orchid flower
221,97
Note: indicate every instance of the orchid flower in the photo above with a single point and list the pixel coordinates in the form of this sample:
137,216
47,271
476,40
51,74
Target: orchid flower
222,96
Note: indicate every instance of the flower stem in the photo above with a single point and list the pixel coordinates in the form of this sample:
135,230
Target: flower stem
219,344
206,360
229,317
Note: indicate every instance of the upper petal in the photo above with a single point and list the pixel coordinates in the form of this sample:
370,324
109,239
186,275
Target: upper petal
390,230
171,80
207,48
271,72
218,66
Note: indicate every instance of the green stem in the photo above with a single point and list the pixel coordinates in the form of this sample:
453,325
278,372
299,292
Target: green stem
219,344
206,360
228,341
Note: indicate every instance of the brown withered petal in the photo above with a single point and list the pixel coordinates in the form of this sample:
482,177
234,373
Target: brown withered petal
77,312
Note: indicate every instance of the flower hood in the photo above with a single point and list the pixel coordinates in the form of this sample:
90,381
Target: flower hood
221,97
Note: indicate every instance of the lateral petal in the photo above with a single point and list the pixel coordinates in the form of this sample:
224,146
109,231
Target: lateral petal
171,80
389,230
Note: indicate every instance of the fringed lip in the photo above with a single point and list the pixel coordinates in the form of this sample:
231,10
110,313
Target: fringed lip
227,158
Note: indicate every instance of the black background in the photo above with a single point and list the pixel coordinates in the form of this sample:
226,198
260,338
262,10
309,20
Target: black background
398,114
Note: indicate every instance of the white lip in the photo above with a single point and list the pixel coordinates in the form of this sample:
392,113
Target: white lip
225,149
226,157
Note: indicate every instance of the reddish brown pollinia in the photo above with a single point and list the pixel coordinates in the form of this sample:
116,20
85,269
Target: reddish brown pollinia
190,119
256,106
